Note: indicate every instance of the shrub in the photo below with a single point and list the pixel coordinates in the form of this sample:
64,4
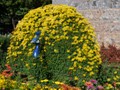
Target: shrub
109,73
69,51
4,43
111,54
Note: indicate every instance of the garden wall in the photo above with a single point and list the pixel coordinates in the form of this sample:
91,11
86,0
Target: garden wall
104,15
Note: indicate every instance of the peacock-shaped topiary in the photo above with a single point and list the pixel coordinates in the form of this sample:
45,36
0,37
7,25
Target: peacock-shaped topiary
67,43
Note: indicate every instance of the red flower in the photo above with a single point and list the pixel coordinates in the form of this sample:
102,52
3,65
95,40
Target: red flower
8,67
7,72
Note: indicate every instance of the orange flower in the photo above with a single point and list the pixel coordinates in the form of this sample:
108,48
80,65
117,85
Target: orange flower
88,84
7,73
67,87
64,87
8,66
114,84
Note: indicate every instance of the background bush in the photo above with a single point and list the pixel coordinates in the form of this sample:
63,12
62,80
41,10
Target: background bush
111,54
109,73
4,43
69,51
10,15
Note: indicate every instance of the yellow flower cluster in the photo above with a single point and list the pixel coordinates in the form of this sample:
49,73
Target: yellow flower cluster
38,87
2,82
11,84
115,77
67,38
6,83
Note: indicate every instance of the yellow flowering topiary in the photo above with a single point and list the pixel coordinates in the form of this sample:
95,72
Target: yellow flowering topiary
2,81
68,46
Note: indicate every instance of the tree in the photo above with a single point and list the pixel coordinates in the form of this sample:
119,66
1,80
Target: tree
14,10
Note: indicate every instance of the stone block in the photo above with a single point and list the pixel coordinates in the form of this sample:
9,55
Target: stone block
104,15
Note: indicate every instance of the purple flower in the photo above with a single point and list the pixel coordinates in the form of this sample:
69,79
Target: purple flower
90,87
100,87
93,81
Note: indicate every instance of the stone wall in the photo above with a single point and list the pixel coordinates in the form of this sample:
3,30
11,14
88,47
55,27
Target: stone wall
90,4
104,15
106,23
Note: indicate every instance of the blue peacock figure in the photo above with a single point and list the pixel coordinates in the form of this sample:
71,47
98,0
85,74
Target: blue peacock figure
36,41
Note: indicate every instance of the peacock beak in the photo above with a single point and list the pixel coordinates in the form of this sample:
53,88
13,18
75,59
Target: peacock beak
34,40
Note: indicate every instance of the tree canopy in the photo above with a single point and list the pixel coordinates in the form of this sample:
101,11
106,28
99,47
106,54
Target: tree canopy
13,10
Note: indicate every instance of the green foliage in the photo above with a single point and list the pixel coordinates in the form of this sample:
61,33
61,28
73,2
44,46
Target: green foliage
14,10
69,51
9,84
4,43
109,73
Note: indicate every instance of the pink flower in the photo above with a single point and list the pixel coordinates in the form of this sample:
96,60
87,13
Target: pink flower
100,87
89,85
93,81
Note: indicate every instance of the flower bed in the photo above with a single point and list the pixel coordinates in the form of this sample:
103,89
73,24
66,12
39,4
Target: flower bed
108,79
65,52
8,83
